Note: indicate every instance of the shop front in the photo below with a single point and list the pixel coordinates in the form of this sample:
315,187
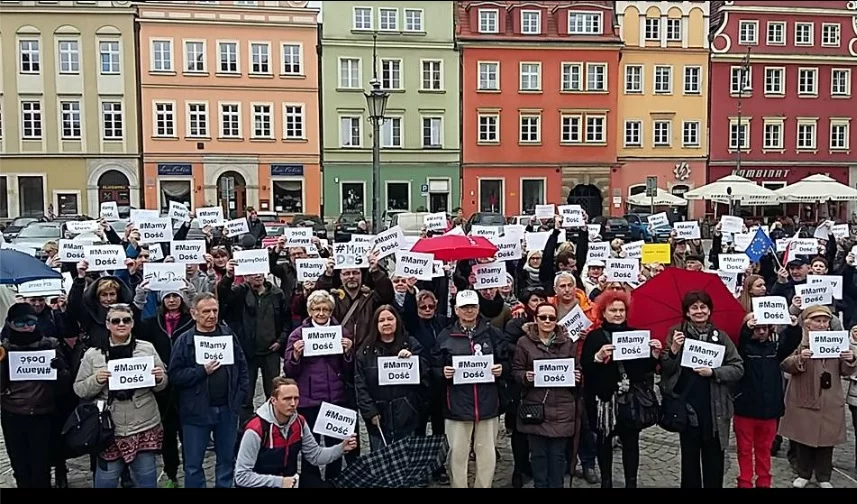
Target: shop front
290,189
674,176
27,191
510,191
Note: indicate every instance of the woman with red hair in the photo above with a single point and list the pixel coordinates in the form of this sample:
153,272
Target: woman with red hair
609,385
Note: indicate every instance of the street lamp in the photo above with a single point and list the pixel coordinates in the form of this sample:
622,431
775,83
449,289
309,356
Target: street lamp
744,84
376,102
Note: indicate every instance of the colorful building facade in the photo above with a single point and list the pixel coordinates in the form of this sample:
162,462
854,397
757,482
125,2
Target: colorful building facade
663,91
230,102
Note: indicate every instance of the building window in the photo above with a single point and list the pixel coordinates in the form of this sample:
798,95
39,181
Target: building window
413,20
532,194
4,197
807,81
288,196
363,18
259,59
804,33
662,133
230,120
633,79
69,57
741,82
489,76
690,134
748,32
491,196
775,81
194,56
432,133
596,77
228,57
839,134
663,80
31,118
773,135
349,73
110,57
262,121
398,196
830,34
391,133
488,21
162,56
596,129
531,22
531,128
840,82
531,76
391,74
572,77
197,120
70,111
739,135
353,197
350,133
31,194
30,57
68,204
692,80
653,28
175,190
388,19
432,75
585,23
674,30
165,120
776,33
633,134
111,114
292,60
489,128
572,132
293,122
806,135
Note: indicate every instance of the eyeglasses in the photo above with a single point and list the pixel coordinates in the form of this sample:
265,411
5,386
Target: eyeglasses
20,324
427,307
121,321
547,318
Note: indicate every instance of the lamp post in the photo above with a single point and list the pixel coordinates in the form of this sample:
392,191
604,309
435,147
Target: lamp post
743,84
376,101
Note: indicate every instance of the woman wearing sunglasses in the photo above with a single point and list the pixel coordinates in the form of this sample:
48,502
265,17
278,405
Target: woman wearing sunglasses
137,421
547,415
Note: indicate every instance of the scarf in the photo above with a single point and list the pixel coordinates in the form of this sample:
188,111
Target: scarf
21,339
400,298
491,308
171,321
532,273
704,334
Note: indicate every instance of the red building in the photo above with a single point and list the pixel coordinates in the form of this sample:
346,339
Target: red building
796,107
539,83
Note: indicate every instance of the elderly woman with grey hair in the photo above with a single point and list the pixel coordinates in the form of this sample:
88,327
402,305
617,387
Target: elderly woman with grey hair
320,378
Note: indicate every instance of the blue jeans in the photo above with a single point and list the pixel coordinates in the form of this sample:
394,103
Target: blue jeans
548,458
144,472
196,438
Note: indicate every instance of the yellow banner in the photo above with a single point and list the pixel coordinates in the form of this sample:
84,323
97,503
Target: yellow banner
657,253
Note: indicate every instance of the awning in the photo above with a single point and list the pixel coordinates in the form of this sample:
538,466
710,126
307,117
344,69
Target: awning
742,189
663,198
815,189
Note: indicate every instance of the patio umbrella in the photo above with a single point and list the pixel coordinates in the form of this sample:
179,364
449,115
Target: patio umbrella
456,247
401,464
816,189
743,190
663,198
17,267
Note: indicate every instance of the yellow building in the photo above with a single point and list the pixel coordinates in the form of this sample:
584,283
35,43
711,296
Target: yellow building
663,99
68,107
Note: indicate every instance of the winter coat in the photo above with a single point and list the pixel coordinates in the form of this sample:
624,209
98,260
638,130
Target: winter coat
83,305
32,397
320,379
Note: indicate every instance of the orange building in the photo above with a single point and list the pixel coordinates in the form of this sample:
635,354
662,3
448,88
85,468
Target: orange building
539,83
229,104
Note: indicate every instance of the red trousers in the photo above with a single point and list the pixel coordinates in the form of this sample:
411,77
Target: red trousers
754,438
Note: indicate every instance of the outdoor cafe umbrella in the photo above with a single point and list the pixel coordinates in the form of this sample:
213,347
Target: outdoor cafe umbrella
662,199
454,247
17,268
815,189
402,464
743,190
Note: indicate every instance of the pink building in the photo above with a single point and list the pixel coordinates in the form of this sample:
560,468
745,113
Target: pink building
229,104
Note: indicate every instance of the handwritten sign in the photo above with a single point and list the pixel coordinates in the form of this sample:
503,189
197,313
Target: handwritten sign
310,270
835,283
237,227
32,366
109,211
508,248
210,216
471,369
656,253
351,255
252,262
622,270
165,277
490,276
214,348
687,230
699,354
575,322
435,222
414,265
179,212
554,373
631,345
132,373
828,344
156,230
733,263
104,257
819,294
321,341
335,422
396,371
771,310
188,252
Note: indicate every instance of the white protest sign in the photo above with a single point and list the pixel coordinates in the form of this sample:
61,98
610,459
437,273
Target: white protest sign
828,344
486,231
396,371
408,243
633,250
687,230
456,231
30,251
138,215
178,211
71,251
805,247
32,366
572,216
252,262
490,276
631,345
214,348
818,294
733,263
771,310
210,216
351,255
599,251
165,277
414,265
156,230
699,354
156,253
470,369
296,237
388,242
310,270
731,224
361,238
335,422
575,322
742,241
80,227
508,249
237,227
435,222
594,231
45,287
104,257
622,270
437,269
659,220
783,244
545,212
553,373
841,231
514,231
822,232
834,281
321,341
132,373
109,211
730,280
188,252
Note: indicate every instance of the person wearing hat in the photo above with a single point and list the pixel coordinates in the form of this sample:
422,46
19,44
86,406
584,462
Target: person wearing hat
694,262
815,402
594,269
794,273
28,405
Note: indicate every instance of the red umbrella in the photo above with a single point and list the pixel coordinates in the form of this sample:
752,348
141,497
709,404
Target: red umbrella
456,247
656,305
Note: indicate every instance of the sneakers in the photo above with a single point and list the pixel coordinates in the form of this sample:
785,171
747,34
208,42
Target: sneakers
800,483
825,484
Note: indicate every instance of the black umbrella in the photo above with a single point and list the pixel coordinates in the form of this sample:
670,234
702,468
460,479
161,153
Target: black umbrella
17,268
403,464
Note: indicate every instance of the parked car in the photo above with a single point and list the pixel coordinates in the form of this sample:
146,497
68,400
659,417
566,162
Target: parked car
411,223
389,215
345,225
266,217
313,221
613,227
36,235
16,226
485,219
640,230
520,220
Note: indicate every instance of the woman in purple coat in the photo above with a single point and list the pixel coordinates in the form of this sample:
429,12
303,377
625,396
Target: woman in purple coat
320,374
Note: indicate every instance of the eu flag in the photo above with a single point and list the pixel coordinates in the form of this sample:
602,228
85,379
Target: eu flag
760,246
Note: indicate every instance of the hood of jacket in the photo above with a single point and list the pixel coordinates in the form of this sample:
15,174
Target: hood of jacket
90,298
266,413
531,330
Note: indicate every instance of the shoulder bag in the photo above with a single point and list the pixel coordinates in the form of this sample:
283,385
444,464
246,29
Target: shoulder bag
533,413
637,408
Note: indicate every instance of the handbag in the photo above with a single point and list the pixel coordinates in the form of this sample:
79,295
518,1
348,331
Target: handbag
637,408
89,429
533,413
675,412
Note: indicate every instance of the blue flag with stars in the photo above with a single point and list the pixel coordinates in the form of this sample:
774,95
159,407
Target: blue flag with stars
760,246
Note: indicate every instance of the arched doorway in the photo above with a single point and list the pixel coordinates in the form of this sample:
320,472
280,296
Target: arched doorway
589,198
232,194
113,185
679,190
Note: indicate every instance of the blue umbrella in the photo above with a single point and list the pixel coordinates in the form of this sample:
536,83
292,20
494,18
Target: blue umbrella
18,267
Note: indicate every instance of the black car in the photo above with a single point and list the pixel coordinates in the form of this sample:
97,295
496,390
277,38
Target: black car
16,226
313,221
346,225
485,219
614,227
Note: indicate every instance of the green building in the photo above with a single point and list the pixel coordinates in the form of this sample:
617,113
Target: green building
418,65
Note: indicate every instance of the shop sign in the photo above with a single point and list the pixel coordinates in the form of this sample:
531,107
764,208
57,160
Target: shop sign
284,170
175,170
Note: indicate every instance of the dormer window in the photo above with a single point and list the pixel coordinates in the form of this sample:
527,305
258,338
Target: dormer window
489,21
585,23
531,22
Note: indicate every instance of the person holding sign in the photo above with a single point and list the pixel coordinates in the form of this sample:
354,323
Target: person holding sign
619,376
548,414
391,380
137,422
704,388
89,302
33,376
814,398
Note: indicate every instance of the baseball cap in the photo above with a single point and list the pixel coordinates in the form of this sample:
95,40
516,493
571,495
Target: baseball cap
596,263
466,298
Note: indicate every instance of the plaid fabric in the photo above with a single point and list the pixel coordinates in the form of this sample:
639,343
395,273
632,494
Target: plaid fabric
402,464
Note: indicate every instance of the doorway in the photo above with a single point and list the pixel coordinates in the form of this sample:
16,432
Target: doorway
438,202
589,198
232,194
113,185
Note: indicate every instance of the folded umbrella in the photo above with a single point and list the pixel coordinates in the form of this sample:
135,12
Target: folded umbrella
453,247
17,268
402,464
